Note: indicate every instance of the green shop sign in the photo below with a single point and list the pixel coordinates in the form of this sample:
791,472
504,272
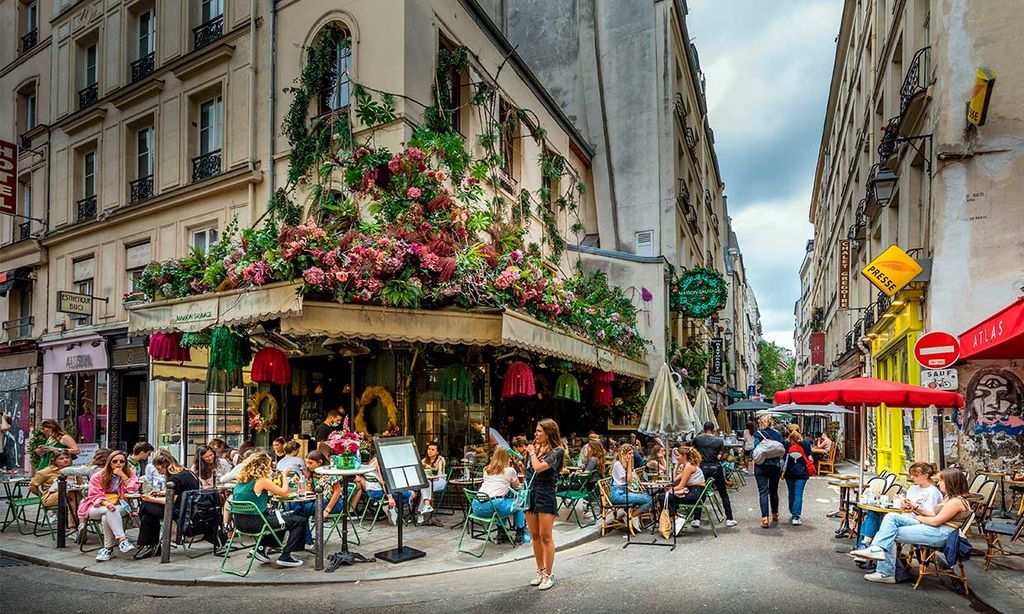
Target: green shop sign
699,292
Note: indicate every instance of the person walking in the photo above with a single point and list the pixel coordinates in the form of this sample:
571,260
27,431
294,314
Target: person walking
768,470
712,450
748,445
799,468
545,457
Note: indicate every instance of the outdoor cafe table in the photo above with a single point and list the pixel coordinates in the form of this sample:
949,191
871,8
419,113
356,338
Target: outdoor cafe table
881,509
343,557
847,488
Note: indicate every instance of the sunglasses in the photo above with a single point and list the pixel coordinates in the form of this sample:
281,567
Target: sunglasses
117,462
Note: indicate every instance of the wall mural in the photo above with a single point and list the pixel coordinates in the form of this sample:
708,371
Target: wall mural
992,420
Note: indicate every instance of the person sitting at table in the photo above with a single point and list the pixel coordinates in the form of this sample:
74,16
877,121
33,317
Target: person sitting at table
105,502
56,439
44,485
151,511
99,459
278,449
209,467
822,447
923,495
154,478
687,485
593,466
625,489
255,486
656,461
291,459
434,466
500,479
375,488
919,528
331,487
140,454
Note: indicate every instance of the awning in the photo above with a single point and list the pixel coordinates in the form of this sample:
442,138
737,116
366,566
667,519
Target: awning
1001,336
195,313
191,370
455,326
17,279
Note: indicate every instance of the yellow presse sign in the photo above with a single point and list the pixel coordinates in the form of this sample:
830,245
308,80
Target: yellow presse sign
977,108
891,270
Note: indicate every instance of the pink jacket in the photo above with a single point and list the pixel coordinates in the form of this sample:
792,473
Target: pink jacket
97,494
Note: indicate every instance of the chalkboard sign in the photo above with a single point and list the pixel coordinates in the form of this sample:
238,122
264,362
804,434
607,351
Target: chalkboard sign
400,464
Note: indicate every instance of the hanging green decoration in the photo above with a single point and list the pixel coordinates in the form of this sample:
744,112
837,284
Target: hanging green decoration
699,292
567,387
222,381
196,340
229,350
457,384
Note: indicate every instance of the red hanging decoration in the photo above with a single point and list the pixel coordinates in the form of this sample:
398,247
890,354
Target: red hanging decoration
603,377
603,388
167,346
270,366
518,381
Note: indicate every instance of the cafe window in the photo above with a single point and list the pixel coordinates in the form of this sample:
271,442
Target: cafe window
213,416
83,273
168,404
83,406
457,426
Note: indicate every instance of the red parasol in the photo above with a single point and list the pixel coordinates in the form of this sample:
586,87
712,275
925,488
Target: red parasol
871,392
270,366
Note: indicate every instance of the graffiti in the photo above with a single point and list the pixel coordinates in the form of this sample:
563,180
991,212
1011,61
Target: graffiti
994,402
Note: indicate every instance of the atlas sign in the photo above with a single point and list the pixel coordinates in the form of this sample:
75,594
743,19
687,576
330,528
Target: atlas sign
937,350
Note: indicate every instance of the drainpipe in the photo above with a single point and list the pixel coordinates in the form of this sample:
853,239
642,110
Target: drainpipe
273,96
866,351
252,109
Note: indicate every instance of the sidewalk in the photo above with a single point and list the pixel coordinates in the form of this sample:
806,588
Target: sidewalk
440,544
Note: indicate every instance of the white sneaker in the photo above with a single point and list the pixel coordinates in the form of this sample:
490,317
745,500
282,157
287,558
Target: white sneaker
871,553
393,515
420,519
548,582
104,555
795,522
636,523
679,524
695,524
126,546
730,523
540,578
877,577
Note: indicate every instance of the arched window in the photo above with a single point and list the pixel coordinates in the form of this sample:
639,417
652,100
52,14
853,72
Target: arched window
336,92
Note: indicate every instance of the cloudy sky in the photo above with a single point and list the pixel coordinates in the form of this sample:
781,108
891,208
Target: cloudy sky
768,65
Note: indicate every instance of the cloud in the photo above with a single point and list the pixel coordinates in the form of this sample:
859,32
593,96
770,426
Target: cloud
768,66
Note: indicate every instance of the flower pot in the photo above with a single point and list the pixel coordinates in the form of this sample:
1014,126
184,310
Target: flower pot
344,461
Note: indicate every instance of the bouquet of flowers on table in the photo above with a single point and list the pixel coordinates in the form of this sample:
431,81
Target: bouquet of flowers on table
344,441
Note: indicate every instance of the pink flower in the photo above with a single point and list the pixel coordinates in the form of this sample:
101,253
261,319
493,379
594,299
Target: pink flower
314,276
516,255
439,175
414,193
415,154
395,164
615,317
340,275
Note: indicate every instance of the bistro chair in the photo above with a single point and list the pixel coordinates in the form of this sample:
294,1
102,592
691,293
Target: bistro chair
829,461
18,515
580,489
995,531
489,523
199,514
247,507
976,483
85,527
700,504
893,490
928,563
983,505
610,511
335,520
441,496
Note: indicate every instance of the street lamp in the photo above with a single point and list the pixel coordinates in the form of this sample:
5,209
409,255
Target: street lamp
728,335
883,184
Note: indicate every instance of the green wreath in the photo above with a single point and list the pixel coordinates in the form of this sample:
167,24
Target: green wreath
699,292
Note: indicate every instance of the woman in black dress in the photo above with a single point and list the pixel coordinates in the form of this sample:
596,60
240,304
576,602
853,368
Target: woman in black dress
544,462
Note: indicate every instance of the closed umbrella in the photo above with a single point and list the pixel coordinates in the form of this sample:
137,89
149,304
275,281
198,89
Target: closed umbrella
667,410
794,408
702,408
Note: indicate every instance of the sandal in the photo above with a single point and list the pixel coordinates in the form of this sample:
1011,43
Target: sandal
775,517
764,522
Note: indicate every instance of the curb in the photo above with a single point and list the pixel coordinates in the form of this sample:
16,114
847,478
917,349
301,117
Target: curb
230,581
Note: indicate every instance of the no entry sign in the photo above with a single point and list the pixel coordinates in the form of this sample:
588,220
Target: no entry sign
937,350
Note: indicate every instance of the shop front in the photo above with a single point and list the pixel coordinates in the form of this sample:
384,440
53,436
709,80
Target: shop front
16,396
76,387
129,390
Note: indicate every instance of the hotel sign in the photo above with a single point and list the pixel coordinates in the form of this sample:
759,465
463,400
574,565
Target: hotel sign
74,303
892,270
844,274
8,178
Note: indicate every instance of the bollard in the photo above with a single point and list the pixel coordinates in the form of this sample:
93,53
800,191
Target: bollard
62,511
319,528
165,535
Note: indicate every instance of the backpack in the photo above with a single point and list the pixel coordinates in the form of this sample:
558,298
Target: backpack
799,449
199,513
768,449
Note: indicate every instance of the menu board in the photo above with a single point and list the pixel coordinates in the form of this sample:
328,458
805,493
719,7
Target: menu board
400,463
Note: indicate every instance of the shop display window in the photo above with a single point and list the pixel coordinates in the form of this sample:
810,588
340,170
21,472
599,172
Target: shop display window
83,409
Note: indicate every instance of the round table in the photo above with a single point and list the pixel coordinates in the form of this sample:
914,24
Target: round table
871,507
343,557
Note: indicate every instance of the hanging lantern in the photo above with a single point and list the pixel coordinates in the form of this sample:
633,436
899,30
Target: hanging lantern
167,346
518,381
457,384
567,387
603,377
270,366
229,350
602,394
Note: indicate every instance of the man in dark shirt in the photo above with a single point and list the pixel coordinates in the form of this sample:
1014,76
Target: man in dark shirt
712,449
330,423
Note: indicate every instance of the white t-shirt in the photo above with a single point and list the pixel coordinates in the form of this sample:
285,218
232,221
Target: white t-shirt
618,474
927,498
292,463
497,486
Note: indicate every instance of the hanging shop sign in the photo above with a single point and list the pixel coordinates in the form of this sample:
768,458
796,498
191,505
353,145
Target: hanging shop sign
818,348
717,359
699,292
940,379
892,270
8,178
69,356
937,350
74,303
981,94
844,274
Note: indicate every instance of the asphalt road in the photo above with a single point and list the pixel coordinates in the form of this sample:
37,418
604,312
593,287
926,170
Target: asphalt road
746,569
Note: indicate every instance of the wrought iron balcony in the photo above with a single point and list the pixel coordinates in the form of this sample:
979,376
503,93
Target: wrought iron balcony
849,341
680,106
141,189
869,317
24,231
691,143
24,142
85,209
206,166
714,220
19,328
916,79
29,40
88,95
683,193
144,66
206,33
890,135
709,259
858,330
883,303
691,214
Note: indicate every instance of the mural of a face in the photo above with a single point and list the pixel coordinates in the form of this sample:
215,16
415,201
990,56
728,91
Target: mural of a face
994,403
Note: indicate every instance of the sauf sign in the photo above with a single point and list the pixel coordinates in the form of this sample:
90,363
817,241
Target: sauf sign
8,178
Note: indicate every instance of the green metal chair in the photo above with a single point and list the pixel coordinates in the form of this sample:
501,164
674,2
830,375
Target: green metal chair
580,489
18,513
492,522
85,528
336,519
700,504
440,495
247,507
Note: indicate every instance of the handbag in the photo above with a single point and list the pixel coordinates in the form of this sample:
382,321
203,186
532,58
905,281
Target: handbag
768,449
521,499
665,520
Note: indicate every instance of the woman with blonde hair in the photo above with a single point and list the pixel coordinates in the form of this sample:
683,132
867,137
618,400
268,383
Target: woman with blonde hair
255,486
922,496
544,460
768,471
105,502
687,484
500,479
623,489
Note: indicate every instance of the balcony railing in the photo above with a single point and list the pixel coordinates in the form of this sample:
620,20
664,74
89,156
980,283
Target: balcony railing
883,303
691,143
858,330
680,106
206,166
29,40
206,33
141,189
88,95
916,79
24,231
890,135
714,220
143,67
869,317
849,341
85,209
19,328
709,259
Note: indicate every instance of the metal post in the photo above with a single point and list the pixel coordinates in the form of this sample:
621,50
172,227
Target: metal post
62,511
165,536
319,527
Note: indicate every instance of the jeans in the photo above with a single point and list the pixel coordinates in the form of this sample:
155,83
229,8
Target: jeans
905,529
504,508
868,527
619,497
716,471
307,509
767,477
795,486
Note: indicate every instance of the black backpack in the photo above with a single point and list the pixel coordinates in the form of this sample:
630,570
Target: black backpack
199,513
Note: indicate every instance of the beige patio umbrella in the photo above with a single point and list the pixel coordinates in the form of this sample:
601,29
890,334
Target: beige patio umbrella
702,409
667,411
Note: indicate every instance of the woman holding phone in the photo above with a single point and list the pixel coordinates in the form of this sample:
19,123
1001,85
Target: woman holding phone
56,440
544,460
